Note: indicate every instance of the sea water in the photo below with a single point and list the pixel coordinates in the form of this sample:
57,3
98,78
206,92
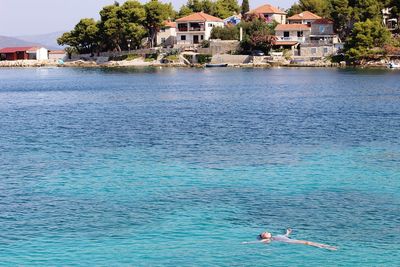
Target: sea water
178,167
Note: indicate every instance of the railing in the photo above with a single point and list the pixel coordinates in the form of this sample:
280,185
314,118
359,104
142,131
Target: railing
196,29
296,39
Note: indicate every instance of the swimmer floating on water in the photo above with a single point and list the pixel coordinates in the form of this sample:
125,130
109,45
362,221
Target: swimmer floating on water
266,237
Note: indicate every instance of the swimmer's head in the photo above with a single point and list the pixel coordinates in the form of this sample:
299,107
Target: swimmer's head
264,235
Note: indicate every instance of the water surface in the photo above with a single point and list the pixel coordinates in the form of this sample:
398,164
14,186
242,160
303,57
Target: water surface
177,167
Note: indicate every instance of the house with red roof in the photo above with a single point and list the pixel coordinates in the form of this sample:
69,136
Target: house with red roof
166,36
196,27
269,13
24,53
305,17
314,40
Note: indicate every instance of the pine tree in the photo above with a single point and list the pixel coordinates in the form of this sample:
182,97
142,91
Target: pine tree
245,7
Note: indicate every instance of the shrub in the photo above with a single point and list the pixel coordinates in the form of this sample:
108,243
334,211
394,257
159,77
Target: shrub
123,57
205,44
204,58
227,33
171,58
151,57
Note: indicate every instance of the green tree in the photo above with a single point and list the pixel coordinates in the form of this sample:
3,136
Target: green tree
208,6
84,37
341,13
132,16
110,27
367,9
156,14
184,11
294,9
257,34
195,5
225,8
245,7
319,7
226,33
366,38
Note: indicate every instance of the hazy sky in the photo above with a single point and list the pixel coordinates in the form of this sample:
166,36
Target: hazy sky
27,17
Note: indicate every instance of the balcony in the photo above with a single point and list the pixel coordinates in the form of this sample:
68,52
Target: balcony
197,29
291,38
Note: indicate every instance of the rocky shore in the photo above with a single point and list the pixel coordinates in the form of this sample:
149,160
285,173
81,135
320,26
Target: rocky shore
102,63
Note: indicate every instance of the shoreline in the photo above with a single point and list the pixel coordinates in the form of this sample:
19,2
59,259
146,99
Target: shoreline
131,64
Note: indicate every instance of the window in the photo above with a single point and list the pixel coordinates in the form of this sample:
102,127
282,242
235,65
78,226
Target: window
300,34
182,27
183,37
202,37
325,50
210,25
313,50
286,34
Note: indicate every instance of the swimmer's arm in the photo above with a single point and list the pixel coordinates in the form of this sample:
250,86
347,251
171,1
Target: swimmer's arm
288,232
256,242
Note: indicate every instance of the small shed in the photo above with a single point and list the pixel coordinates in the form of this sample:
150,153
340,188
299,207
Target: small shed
24,53
57,55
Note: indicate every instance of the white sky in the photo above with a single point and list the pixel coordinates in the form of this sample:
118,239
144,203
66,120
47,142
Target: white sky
30,17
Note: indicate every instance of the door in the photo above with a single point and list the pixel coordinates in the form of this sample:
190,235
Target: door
195,39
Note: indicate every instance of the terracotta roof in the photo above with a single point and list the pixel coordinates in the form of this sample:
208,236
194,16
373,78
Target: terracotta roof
169,24
18,49
266,9
285,43
323,21
292,27
57,52
304,15
200,16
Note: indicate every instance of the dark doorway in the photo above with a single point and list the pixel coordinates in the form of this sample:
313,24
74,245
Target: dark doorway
195,39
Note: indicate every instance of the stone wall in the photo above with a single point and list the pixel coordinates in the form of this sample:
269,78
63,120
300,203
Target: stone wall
317,51
230,59
220,47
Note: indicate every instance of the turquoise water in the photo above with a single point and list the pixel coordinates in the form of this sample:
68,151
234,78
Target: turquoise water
177,167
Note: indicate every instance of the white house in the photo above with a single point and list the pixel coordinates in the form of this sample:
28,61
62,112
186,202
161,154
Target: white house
293,32
195,28
269,13
166,36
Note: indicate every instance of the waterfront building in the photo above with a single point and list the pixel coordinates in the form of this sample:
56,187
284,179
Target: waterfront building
305,17
314,40
269,13
166,36
196,27
24,53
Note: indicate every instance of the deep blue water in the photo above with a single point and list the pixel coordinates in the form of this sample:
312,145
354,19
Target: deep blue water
177,167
